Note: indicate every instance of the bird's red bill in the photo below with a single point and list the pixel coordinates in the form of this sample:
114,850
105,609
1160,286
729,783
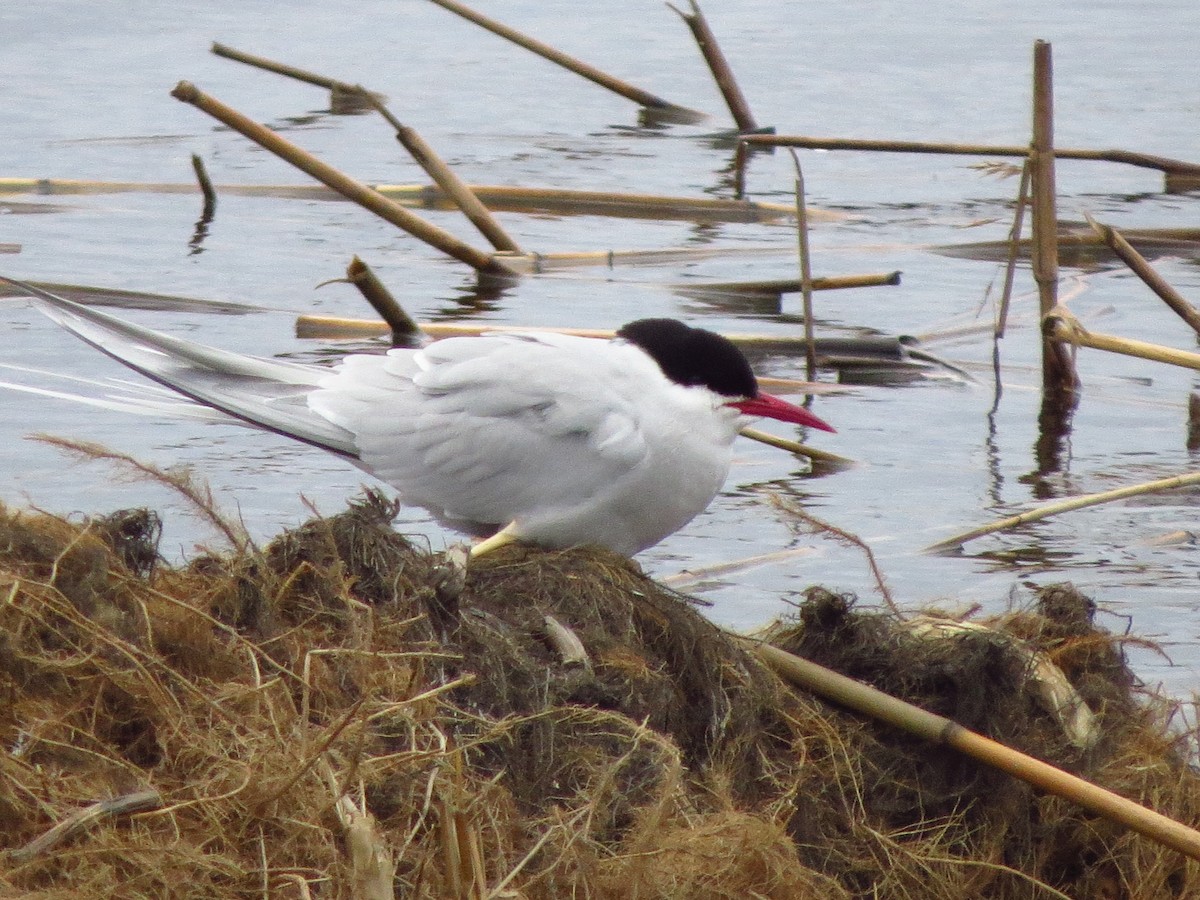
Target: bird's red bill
771,407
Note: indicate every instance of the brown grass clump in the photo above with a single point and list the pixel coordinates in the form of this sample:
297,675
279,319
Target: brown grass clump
341,714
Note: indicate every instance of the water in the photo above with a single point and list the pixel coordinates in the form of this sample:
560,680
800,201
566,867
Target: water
85,93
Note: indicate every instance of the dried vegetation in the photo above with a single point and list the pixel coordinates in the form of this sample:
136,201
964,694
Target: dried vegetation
343,714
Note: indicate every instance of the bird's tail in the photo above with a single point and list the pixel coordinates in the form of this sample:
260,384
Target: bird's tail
268,393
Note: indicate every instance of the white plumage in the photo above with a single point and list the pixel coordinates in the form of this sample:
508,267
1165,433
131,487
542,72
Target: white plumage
563,440
573,440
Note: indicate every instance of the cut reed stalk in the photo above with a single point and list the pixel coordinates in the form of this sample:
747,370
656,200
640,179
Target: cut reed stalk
1062,506
454,187
590,72
348,187
722,72
872,702
1140,267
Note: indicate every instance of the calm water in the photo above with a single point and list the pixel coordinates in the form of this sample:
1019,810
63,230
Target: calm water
85,94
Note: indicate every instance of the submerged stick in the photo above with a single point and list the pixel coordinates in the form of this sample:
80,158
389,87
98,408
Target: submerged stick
454,187
1128,157
719,66
872,702
1140,267
616,85
345,185
1068,505
206,188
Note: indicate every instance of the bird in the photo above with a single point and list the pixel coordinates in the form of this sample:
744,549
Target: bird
553,439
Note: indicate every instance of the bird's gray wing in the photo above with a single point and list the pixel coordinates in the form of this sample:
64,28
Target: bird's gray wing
487,428
268,393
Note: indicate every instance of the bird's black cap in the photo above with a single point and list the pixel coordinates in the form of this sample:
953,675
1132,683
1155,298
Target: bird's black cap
693,356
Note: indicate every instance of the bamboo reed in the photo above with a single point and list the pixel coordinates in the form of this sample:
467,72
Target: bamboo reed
1062,506
616,85
722,72
869,701
350,188
453,186
1127,157
1136,262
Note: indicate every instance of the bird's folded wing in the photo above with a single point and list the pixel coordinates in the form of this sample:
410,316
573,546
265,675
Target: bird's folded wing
267,393
486,427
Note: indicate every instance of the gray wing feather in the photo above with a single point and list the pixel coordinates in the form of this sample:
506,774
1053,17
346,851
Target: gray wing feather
268,393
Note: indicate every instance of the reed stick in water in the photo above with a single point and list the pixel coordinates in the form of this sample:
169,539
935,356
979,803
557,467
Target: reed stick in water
404,329
1059,381
345,185
1128,157
590,72
1061,506
1140,267
206,187
454,187
722,72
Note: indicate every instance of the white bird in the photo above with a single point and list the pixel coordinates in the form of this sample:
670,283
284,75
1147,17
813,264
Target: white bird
559,440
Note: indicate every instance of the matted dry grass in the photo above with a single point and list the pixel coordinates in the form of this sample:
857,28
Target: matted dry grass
342,714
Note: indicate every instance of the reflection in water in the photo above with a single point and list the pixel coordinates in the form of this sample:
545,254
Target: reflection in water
199,233
1051,450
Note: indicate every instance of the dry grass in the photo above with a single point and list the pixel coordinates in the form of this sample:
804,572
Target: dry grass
341,714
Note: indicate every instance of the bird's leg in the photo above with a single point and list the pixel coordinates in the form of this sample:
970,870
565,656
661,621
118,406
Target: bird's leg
504,536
